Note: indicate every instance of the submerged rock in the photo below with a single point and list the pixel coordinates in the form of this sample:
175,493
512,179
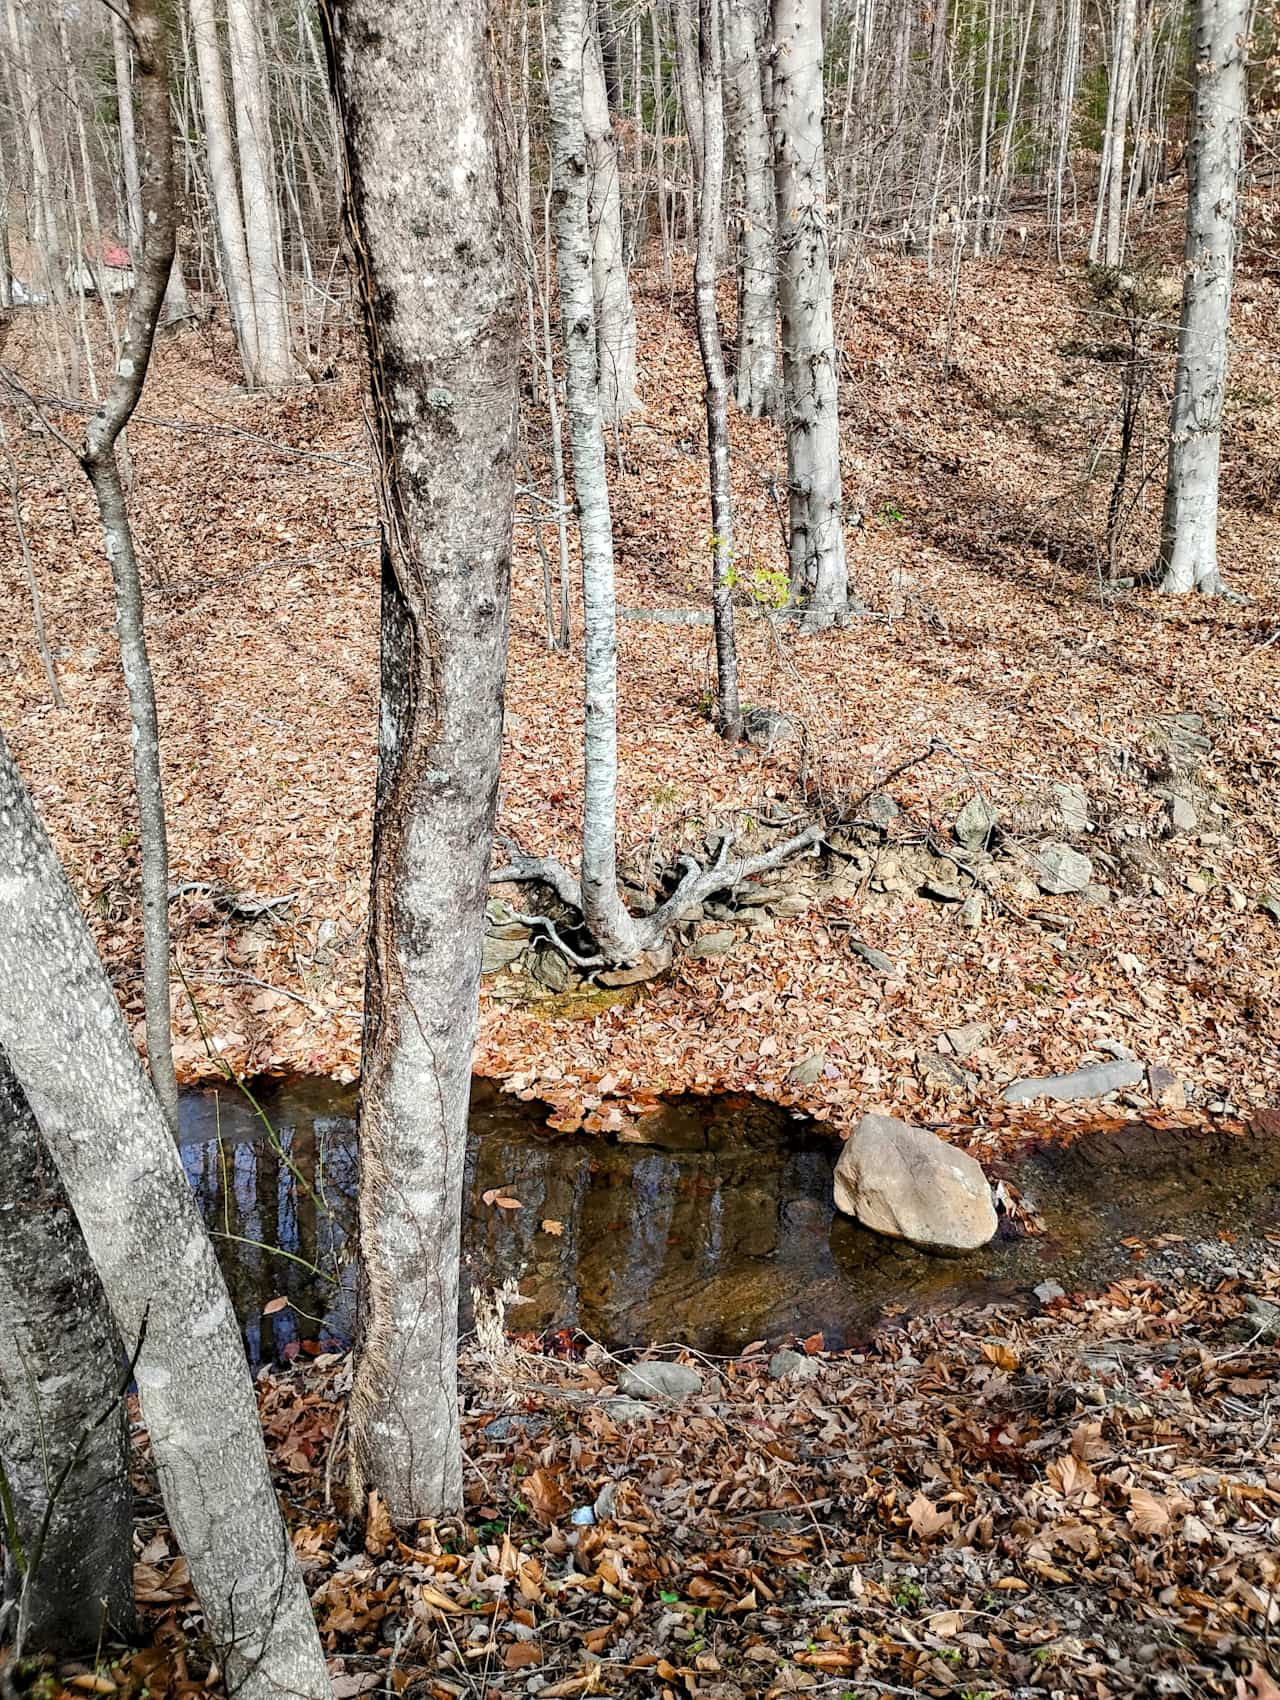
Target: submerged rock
910,1185
1093,1082
659,1380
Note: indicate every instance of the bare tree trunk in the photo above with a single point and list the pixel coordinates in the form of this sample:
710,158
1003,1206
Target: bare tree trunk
756,378
1189,537
728,712
1126,19
275,364
605,914
444,352
684,17
818,569
615,315
660,145
128,138
64,1444
224,188
98,457
68,1046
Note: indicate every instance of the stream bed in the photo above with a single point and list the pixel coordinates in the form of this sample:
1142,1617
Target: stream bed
709,1224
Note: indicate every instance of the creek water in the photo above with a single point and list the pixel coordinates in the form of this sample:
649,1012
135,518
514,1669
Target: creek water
710,1224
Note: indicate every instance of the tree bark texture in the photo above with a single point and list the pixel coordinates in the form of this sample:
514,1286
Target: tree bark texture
684,18
818,569
64,1443
99,460
412,82
224,187
603,910
1189,534
756,378
69,1048
728,713
275,364
615,314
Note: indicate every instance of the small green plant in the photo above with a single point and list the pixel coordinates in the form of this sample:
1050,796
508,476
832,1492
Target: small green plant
892,514
768,587
907,1595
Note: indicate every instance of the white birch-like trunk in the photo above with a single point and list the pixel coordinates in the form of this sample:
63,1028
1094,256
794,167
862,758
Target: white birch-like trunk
224,187
818,570
615,314
1189,535
64,1443
412,83
728,712
603,910
756,378
68,1046
275,364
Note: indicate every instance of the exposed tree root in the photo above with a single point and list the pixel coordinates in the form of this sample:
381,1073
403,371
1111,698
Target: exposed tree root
695,885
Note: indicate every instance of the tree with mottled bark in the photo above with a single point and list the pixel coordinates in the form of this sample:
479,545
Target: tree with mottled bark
819,575
620,939
275,365
1107,242
756,377
98,457
69,1048
414,95
224,186
615,314
1189,534
66,1521
728,711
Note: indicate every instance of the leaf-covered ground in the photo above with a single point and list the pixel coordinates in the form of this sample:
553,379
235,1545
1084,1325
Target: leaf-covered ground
1083,1502
976,501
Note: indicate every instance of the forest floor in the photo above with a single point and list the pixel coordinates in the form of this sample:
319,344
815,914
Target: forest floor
1083,1502
993,657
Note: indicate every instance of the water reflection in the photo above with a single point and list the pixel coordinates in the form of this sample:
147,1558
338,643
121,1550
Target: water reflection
710,1222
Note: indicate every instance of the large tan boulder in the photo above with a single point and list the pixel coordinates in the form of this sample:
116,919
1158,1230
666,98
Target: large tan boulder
911,1185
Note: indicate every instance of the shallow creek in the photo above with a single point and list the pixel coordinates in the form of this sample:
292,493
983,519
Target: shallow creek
717,1230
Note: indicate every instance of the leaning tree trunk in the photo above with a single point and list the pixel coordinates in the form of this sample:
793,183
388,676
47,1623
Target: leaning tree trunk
615,314
276,365
98,458
1189,536
818,569
65,1514
756,378
605,914
224,189
728,712
69,1048
444,353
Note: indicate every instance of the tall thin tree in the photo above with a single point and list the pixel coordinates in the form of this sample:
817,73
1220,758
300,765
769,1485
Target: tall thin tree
1189,534
99,459
711,58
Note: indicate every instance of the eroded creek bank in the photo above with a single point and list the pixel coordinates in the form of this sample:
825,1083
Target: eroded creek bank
715,1231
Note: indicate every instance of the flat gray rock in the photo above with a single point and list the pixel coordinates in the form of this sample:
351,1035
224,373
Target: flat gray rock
787,1365
1060,870
1093,1082
910,1185
659,1380
624,1410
